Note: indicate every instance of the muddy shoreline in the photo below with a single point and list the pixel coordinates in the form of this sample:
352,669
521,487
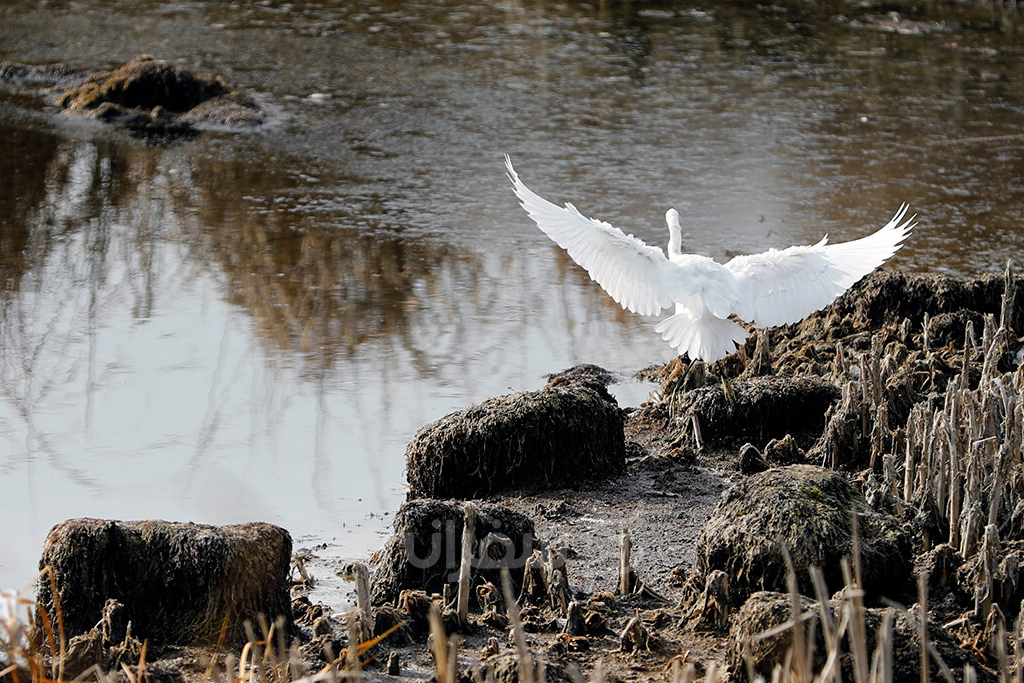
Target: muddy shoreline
919,331
912,375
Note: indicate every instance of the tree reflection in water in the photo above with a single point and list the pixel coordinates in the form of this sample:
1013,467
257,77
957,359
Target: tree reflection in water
174,346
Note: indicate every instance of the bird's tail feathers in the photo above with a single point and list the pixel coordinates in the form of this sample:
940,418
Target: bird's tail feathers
708,338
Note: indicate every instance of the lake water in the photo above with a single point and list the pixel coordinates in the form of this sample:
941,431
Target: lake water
252,325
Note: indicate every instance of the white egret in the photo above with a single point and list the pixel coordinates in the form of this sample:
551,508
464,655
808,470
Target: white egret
776,287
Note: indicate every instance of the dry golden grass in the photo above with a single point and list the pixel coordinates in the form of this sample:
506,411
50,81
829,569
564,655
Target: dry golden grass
28,635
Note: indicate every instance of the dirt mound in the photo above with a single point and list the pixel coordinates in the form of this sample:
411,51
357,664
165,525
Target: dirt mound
762,612
505,668
810,510
766,611
177,583
762,409
564,434
891,295
426,549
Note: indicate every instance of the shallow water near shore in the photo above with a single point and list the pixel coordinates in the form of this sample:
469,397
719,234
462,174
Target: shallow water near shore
251,325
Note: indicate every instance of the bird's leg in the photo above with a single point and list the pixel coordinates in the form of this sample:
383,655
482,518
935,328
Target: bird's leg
678,386
730,393
686,373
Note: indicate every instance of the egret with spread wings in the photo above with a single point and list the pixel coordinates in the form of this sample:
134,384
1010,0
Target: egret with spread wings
776,287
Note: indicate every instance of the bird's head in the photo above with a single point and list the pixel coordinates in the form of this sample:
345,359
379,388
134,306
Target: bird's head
675,233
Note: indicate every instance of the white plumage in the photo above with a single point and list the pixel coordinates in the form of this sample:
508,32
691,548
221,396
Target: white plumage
776,287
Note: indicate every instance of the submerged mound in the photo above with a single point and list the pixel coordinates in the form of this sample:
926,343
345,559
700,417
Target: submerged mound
560,435
178,583
810,510
156,94
145,83
426,549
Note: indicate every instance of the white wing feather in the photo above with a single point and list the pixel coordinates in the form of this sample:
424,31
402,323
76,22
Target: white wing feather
638,276
779,287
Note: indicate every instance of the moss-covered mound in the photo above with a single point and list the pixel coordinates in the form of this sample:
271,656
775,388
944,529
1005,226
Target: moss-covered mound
560,435
762,409
178,583
426,549
810,510
891,295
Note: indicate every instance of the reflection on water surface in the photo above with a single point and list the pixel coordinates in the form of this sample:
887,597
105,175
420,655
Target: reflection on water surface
252,325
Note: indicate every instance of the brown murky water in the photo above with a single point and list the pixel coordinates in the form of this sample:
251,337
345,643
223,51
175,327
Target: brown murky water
252,325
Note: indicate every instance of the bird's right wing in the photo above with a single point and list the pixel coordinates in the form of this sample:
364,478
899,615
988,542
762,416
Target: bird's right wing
638,276
779,287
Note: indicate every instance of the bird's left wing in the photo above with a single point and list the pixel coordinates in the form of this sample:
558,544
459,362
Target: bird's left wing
638,276
779,287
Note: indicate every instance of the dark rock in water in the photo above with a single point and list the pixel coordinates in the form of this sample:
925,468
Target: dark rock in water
767,610
764,408
426,549
560,435
235,109
810,509
155,125
156,97
145,83
176,583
